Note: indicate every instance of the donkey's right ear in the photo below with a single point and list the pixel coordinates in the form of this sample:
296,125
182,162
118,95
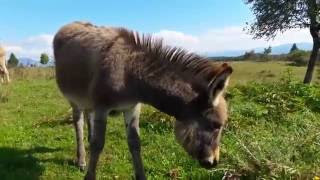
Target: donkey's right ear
219,83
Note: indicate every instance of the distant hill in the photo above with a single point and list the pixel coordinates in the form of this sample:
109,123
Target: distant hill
28,62
285,48
281,49
24,61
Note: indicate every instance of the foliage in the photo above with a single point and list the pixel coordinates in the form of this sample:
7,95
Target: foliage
278,16
298,57
44,58
266,54
276,101
293,48
249,55
267,51
13,61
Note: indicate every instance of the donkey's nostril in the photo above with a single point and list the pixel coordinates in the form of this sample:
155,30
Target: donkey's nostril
208,164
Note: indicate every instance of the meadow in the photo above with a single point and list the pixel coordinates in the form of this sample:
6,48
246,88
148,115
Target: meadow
272,133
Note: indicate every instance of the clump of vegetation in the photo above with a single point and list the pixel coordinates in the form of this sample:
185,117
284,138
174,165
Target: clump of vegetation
44,58
13,60
275,101
294,47
298,57
249,55
275,126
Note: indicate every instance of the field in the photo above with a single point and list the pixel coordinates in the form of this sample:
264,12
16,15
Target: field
273,131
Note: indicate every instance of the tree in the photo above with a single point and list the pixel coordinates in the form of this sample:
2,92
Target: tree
44,58
267,51
13,61
294,48
278,16
249,55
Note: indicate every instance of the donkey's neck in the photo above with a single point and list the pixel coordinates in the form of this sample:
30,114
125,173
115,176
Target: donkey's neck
166,91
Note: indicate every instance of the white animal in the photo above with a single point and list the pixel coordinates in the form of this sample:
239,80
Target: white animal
4,73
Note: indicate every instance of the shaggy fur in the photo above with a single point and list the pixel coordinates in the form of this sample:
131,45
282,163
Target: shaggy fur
100,69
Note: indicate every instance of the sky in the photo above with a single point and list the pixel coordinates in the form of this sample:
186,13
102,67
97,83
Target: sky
205,26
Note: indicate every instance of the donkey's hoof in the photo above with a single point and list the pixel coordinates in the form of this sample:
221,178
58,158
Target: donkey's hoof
82,168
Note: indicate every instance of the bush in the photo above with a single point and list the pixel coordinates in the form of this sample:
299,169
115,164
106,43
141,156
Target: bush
275,101
249,55
13,60
298,57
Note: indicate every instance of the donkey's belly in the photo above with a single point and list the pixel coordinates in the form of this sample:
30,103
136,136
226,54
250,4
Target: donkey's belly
82,102
74,78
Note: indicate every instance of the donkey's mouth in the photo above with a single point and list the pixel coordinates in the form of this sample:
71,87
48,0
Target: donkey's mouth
207,164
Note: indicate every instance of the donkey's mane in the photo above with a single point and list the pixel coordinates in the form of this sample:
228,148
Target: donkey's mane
167,56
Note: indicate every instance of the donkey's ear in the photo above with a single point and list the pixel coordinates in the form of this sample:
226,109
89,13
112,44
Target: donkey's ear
219,83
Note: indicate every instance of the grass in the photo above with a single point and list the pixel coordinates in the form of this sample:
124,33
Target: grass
267,71
273,131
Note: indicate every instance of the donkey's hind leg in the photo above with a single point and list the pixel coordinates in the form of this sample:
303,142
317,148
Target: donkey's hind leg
78,118
131,117
89,119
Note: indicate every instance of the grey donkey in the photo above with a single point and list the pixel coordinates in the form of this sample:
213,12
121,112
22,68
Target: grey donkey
100,69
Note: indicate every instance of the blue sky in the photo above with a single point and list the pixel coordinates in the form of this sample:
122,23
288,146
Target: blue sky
27,27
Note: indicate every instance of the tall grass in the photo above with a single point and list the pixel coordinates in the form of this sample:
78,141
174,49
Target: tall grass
21,73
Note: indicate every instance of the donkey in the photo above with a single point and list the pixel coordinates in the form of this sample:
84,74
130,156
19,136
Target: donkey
100,69
4,74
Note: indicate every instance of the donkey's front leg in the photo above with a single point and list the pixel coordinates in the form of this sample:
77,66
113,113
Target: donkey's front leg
131,117
77,116
97,141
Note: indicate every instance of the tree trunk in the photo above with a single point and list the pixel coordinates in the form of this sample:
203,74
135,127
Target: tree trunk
311,64
314,31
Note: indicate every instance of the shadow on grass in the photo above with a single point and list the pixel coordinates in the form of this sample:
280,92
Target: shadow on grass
64,119
21,163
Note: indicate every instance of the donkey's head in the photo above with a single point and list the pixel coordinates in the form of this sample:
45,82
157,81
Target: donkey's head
199,132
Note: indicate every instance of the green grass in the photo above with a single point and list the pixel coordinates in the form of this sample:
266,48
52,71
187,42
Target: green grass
273,132
267,71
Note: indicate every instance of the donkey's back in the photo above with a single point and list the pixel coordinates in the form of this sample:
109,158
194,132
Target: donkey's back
79,59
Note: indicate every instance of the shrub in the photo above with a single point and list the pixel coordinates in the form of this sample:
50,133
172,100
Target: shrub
13,60
298,57
249,55
277,100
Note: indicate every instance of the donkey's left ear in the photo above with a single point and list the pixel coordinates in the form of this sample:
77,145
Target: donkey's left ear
219,83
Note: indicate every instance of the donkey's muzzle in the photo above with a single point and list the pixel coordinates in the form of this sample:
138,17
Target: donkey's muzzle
208,164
